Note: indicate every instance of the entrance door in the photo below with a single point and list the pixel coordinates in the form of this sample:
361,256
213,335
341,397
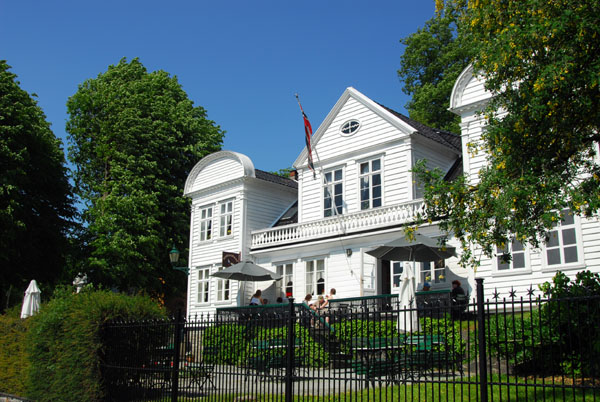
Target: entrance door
386,280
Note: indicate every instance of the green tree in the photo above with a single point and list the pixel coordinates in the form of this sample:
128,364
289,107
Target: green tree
35,196
134,137
433,58
540,59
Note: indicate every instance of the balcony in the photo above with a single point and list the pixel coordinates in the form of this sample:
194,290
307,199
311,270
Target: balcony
339,225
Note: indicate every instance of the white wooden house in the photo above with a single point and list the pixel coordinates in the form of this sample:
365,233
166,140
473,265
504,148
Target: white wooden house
316,230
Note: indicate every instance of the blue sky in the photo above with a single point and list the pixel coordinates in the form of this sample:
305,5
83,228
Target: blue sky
243,61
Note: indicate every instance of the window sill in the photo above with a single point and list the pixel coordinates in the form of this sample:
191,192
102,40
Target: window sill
223,303
511,272
568,267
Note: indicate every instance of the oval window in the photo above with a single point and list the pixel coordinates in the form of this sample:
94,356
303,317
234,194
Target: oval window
350,127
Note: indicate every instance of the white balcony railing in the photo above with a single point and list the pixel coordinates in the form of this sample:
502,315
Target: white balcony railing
339,225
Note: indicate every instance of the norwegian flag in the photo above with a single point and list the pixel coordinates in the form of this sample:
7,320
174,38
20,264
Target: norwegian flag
308,134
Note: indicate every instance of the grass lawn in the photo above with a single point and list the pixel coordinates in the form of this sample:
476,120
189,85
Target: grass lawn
437,393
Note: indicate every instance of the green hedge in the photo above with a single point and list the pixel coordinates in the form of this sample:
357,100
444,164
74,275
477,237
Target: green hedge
14,364
64,342
232,344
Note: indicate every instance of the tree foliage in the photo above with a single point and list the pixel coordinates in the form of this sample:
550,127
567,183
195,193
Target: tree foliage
433,58
35,196
539,59
134,137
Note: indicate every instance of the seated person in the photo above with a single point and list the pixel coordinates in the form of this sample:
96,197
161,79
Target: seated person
256,299
459,299
426,287
309,302
265,301
279,300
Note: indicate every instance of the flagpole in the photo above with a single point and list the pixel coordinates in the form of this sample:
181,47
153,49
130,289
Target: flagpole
309,148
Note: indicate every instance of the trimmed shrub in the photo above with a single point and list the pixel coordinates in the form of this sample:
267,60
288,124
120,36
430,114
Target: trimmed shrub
64,342
14,364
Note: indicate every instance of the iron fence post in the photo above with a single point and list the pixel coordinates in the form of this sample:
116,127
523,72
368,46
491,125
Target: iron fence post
289,366
483,379
176,350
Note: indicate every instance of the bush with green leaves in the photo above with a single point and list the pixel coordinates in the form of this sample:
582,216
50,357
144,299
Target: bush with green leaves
234,344
65,343
227,343
561,336
572,314
448,329
14,364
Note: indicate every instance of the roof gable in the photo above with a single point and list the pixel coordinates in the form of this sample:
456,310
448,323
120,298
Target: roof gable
387,122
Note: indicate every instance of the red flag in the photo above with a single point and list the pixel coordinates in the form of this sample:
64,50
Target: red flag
308,134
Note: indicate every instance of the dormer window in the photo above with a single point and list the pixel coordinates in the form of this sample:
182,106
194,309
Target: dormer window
350,127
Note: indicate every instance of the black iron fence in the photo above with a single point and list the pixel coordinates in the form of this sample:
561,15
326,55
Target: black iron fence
526,348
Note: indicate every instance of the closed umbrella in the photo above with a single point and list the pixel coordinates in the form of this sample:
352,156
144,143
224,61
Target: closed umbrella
31,301
408,320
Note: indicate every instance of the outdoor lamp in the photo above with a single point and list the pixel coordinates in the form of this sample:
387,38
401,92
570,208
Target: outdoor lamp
174,258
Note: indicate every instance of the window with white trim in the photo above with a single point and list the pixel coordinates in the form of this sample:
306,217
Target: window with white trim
206,223
370,184
511,256
561,242
203,285
333,193
226,219
285,287
315,277
223,287
397,268
434,273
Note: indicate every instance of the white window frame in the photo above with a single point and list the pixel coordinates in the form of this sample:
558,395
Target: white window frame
226,218
203,285
394,275
223,288
286,276
312,287
436,271
561,228
329,186
511,270
205,223
370,174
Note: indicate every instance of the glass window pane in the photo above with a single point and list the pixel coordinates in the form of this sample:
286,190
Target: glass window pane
364,168
328,177
338,188
364,205
377,192
568,236
502,264
553,256
567,217
552,239
364,195
518,260
376,180
376,165
338,175
517,245
570,254
376,202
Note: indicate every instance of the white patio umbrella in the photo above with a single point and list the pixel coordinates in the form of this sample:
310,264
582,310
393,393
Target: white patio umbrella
31,301
408,320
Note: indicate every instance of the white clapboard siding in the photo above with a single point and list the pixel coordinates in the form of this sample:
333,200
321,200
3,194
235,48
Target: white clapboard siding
219,171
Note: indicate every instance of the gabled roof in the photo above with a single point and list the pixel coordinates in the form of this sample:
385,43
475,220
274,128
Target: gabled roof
404,124
273,178
443,137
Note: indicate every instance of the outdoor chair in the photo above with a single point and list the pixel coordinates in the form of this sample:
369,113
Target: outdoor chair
202,371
